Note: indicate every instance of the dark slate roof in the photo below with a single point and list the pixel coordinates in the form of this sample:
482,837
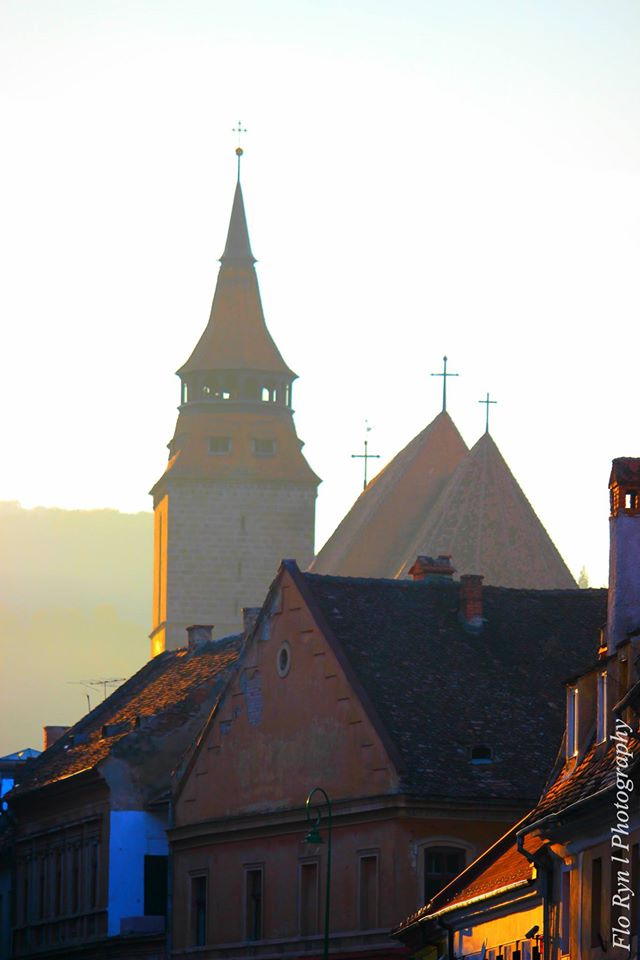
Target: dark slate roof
148,721
439,688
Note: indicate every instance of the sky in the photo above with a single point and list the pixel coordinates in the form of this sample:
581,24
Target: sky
421,178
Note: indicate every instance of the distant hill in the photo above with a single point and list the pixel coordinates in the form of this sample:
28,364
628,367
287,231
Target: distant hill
75,605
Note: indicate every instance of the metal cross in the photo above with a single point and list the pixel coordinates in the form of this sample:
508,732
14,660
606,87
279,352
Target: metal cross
444,376
239,130
487,402
366,456
239,151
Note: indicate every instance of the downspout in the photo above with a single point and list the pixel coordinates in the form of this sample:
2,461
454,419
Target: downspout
545,887
169,921
450,934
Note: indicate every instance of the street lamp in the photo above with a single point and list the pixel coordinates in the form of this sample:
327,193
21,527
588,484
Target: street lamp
314,837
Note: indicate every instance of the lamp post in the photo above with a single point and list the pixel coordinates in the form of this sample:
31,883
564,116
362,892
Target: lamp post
314,837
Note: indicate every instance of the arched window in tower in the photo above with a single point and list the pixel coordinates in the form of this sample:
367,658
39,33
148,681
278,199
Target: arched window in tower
184,392
287,395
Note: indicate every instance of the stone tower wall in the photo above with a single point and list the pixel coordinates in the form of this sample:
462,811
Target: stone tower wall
224,543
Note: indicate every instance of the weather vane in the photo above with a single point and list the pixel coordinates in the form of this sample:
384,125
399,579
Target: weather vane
444,376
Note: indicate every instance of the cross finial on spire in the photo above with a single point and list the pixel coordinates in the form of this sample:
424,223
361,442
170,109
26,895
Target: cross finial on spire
366,456
444,376
487,402
239,151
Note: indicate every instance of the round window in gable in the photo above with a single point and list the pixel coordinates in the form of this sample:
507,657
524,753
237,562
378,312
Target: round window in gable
283,661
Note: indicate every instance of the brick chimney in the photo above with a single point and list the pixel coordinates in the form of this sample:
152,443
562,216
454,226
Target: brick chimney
623,612
51,734
198,635
427,567
471,596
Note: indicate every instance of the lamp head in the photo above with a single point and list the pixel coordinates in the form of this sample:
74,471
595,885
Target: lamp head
314,837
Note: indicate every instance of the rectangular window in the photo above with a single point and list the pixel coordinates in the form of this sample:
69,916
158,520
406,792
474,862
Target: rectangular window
254,901
368,890
75,878
219,444
596,902
572,722
59,880
565,895
602,707
198,911
308,899
155,886
264,447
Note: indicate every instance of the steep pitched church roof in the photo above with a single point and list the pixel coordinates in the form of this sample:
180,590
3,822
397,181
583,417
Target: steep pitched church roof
437,497
371,540
484,520
236,337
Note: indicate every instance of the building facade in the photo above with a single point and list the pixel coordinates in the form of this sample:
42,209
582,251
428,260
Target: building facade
409,703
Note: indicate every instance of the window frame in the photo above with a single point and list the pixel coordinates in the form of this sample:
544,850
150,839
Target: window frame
253,868
194,930
373,854
442,840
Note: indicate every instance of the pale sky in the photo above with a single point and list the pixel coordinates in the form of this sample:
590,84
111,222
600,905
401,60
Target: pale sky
420,178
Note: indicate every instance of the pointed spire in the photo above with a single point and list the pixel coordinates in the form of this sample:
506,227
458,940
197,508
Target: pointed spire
236,337
238,246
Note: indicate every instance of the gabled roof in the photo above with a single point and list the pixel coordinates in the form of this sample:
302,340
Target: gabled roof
236,337
372,540
439,689
484,520
148,721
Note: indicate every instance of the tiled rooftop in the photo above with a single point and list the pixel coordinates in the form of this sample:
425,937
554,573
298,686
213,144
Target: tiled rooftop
169,695
440,688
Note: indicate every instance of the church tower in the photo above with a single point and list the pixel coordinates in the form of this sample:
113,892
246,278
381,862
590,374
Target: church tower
237,494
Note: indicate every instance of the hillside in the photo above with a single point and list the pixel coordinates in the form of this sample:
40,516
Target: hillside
75,601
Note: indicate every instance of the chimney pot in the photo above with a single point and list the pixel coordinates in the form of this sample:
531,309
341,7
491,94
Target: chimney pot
199,634
427,567
53,733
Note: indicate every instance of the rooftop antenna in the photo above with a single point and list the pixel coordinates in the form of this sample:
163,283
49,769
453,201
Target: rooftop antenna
366,456
103,682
